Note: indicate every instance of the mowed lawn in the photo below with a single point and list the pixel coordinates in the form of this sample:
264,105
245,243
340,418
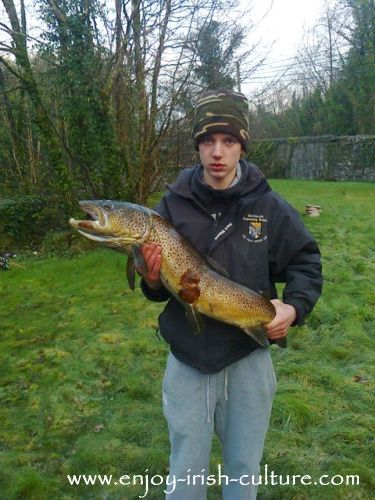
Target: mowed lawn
81,369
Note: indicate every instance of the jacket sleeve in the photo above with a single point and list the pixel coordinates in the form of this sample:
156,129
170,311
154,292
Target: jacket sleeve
162,294
155,295
295,260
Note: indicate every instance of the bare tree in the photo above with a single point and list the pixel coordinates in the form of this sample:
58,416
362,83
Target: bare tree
151,74
322,52
15,58
119,87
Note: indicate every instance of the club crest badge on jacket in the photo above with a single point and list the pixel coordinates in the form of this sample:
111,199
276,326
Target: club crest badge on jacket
256,228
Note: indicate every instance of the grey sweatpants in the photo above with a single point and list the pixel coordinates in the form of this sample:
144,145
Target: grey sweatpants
235,402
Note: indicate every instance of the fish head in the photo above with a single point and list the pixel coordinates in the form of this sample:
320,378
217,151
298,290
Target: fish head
114,223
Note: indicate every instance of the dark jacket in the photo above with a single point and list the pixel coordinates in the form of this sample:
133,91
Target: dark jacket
259,239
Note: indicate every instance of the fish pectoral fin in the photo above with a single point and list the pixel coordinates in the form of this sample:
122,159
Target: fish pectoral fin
258,334
194,319
216,266
130,273
139,260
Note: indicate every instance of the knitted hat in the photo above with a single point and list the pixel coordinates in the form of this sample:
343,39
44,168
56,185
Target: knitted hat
222,111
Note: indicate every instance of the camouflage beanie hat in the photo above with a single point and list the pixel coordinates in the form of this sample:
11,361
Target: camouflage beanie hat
222,111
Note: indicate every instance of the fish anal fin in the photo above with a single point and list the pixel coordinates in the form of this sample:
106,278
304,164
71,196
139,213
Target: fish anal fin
258,334
194,319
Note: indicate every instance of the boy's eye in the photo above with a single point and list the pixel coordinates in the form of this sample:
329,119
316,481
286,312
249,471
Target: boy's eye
207,140
231,140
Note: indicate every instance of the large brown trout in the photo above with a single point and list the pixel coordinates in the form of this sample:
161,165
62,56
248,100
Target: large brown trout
196,281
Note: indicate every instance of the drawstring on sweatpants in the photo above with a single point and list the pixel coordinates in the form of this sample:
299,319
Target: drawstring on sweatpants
226,384
208,393
208,400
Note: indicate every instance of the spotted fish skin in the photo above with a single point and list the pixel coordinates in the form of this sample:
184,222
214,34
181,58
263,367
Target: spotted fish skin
219,297
184,271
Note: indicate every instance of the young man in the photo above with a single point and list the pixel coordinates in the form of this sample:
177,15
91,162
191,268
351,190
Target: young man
222,380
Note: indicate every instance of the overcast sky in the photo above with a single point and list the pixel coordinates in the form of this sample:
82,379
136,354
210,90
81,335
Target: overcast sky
280,25
286,22
281,30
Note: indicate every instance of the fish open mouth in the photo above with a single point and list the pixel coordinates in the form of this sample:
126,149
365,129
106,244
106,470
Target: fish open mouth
103,224
96,213
97,218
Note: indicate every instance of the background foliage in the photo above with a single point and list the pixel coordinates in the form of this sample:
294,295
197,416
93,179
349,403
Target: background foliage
331,85
99,104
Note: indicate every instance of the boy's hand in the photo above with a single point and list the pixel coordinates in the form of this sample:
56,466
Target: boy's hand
285,316
152,254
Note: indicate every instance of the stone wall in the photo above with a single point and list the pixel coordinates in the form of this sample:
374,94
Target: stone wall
348,158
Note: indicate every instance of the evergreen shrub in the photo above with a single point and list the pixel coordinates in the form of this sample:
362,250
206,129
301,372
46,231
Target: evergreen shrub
25,220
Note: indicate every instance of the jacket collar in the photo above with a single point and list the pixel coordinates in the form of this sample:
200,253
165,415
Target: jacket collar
253,183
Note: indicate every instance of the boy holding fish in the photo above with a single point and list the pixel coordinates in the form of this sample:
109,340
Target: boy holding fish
222,380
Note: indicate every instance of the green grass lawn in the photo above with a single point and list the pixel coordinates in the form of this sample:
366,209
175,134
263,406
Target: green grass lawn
81,370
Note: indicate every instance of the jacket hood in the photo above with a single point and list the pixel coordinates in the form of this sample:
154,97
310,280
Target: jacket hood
252,184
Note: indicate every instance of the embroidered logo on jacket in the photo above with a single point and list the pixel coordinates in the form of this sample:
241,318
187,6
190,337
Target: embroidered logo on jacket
256,229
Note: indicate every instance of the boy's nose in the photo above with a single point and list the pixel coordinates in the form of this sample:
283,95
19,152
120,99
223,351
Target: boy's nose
217,150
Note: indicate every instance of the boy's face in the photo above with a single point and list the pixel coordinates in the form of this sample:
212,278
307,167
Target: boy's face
219,154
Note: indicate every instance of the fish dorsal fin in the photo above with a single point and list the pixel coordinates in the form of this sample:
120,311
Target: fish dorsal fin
216,266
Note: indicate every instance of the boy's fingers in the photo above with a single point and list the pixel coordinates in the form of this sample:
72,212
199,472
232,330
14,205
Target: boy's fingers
149,250
155,270
152,255
152,260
